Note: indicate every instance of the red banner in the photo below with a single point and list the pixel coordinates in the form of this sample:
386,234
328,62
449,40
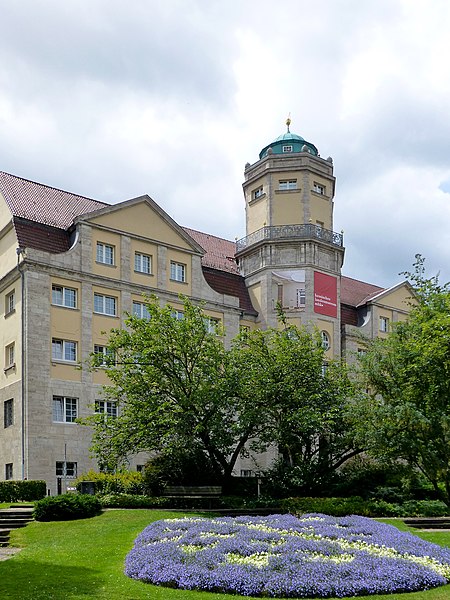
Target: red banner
325,294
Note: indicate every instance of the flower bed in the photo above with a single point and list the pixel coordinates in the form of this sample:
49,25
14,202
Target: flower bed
314,556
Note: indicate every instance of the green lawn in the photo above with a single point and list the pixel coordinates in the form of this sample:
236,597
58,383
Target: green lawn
84,559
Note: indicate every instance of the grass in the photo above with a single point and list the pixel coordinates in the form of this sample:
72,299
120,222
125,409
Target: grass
84,559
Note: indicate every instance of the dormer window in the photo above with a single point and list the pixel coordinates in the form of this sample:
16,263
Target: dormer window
287,148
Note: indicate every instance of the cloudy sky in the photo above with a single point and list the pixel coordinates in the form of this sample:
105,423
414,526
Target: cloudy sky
112,99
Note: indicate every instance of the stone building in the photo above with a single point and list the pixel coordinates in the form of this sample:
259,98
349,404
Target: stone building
71,267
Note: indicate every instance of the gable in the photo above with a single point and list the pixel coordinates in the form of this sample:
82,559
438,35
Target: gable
141,218
399,297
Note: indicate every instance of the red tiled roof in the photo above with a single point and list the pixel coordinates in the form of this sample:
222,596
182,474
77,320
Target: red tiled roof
43,204
354,292
230,284
219,253
41,237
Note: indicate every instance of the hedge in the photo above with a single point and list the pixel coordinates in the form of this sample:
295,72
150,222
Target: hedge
66,507
133,501
339,507
128,482
22,491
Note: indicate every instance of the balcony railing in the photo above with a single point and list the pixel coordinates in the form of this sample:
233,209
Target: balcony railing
285,232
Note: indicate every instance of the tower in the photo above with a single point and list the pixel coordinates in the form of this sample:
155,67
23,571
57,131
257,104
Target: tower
290,254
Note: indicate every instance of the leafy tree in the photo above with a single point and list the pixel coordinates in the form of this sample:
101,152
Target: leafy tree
175,384
180,391
407,413
308,406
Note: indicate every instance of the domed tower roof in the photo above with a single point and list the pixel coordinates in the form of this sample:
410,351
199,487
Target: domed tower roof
287,143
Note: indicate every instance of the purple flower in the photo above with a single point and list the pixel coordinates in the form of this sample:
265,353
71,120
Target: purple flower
285,556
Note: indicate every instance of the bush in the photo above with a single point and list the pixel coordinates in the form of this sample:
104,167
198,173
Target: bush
126,482
22,491
133,501
179,466
339,507
66,507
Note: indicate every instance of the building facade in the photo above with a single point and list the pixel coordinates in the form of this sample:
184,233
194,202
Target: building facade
72,267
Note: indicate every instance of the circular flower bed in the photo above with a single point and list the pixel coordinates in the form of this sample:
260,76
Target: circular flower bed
314,556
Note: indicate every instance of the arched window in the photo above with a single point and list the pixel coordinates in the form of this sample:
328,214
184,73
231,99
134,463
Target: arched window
325,340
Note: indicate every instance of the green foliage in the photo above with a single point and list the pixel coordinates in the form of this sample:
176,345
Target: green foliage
132,501
197,404
179,466
66,507
407,414
22,491
123,482
356,505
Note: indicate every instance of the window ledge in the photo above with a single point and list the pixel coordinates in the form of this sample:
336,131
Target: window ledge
178,281
64,306
97,262
10,368
59,361
144,273
11,312
294,191
105,315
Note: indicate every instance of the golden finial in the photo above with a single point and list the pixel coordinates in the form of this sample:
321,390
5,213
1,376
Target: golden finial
288,122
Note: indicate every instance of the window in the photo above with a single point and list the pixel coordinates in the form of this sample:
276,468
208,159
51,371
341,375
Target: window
290,184
325,340
65,409
64,296
178,315
287,148
246,473
384,324
211,324
8,413
64,350
258,193
10,303
10,354
361,351
142,263
105,305
106,407
105,253
324,368
177,272
8,471
301,298
104,356
319,189
66,469
140,310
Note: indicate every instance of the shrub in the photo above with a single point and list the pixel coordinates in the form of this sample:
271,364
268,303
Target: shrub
132,501
22,491
66,507
339,507
126,482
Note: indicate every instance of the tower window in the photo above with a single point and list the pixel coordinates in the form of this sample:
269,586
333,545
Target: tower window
325,340
319,189
287,148
288,184
258,193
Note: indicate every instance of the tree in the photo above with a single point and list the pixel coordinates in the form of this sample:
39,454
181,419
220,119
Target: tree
406,415
308,404
175,386
179,390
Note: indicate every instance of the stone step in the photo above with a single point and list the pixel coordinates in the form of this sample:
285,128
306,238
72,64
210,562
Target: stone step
428,523
13,523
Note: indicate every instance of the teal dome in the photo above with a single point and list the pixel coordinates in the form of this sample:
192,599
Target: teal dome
287,143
